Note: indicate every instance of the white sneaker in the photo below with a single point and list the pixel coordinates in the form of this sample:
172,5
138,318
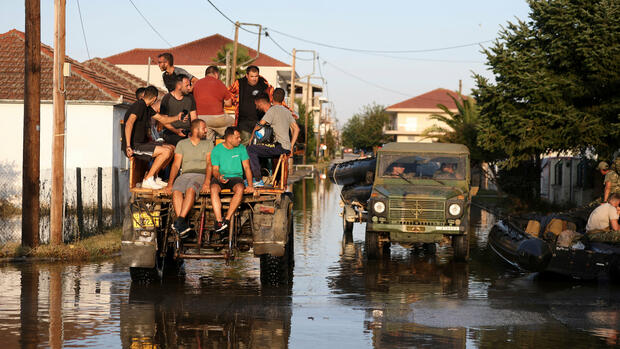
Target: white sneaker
159,181
150,183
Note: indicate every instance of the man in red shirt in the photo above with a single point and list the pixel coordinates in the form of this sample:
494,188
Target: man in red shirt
211,96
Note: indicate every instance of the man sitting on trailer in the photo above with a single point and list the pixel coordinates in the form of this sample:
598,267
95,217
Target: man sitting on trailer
229,162
191,155
137,128
281,121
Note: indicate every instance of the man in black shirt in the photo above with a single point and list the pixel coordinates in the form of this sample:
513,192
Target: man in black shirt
170,72
137,129
176,103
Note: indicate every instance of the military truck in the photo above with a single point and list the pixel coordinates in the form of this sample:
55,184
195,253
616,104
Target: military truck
420,194
263,222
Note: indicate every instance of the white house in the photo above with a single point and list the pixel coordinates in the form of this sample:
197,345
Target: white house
95,105
409,118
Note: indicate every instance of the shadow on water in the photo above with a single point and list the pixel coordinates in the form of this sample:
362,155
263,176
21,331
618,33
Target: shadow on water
337,299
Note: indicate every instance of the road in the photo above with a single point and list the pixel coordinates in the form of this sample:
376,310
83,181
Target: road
338,299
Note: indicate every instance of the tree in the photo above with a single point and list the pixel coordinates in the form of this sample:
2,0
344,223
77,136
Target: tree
557,78
243,59
365,129
301,122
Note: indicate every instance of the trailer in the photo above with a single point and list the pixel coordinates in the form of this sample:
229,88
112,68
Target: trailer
263,223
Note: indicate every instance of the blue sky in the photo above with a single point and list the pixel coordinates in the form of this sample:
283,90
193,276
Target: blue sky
114,26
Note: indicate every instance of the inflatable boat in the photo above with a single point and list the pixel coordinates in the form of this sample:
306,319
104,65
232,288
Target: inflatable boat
534,244
358,171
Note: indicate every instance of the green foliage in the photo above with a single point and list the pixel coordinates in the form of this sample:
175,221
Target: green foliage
301,122
243,59
364,130
557,78
330,142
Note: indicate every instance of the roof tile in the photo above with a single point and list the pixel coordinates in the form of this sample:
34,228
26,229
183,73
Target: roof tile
428,100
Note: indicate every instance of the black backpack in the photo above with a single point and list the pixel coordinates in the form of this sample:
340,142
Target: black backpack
264,135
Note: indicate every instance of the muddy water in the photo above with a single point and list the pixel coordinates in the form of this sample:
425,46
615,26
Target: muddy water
338,299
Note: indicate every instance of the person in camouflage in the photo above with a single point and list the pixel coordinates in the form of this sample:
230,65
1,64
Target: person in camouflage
612,179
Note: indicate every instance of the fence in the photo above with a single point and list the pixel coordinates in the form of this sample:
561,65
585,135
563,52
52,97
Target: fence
93,202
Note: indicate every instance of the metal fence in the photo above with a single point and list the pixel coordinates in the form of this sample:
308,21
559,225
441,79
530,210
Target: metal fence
92,203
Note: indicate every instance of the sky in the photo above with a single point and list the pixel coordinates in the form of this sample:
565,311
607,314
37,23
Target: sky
114,26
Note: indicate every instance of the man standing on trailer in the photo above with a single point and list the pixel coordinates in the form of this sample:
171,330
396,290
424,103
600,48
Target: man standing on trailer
211,97
229,162
191,156
166,65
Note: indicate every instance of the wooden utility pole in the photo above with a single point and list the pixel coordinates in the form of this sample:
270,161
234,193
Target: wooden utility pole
58,141
233,72
32,116
228,81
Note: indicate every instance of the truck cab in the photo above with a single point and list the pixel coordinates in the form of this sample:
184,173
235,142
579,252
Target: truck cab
420,194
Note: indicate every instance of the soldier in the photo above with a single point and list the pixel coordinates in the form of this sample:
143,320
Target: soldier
612,180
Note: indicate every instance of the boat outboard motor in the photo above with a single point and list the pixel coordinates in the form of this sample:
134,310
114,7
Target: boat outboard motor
533,254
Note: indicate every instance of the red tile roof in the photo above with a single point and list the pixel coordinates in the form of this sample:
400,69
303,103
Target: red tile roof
199,52
83,84
114,73
428,100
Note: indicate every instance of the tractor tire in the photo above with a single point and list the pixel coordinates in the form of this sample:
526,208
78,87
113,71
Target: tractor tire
277,271
371,245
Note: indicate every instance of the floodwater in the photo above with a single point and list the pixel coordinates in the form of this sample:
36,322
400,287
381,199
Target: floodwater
338,299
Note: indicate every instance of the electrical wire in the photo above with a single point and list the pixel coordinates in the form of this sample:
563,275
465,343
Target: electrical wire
364,80
83,31
284,50
149,23
377,51
230,20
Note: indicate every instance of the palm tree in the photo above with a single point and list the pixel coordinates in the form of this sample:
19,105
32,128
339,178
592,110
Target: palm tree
462,125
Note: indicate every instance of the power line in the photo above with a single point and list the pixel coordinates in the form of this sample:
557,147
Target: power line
365,81
284,50
83,31
228,18
377,51
149,23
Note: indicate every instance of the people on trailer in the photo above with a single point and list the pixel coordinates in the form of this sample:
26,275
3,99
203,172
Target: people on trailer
229,162
281,121
170,72
605,216
140,92
244,91
191,156
180,103
137,123
211,97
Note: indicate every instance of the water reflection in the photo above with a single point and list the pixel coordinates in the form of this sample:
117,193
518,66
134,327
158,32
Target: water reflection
170,316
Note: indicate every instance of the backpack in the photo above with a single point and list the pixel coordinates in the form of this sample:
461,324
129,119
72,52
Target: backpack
264,135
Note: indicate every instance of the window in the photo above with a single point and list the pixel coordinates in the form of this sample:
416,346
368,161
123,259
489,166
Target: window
557,178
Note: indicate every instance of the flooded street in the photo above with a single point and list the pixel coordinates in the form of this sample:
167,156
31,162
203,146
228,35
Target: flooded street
337,299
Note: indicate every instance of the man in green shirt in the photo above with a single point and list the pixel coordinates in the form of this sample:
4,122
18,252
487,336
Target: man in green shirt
229,162
192,157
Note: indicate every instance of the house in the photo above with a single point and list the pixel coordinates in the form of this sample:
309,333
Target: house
570,180
95,105
409,118
194,57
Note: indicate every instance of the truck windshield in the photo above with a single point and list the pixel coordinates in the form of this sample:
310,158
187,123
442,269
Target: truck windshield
427,166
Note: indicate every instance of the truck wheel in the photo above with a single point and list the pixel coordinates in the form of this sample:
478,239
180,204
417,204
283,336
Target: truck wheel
371,245
347,228
277,271
460,245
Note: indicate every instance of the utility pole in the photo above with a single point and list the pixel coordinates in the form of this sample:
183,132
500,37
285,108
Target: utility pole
233,73
148,71
460,86
32,115
58,140
227,80
291,96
